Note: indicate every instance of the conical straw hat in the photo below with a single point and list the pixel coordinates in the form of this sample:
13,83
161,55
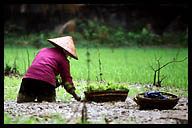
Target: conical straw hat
66,43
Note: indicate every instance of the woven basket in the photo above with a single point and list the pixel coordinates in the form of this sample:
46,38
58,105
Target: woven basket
151,103
106,95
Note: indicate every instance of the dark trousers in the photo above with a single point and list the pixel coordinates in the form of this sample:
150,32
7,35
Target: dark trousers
32,89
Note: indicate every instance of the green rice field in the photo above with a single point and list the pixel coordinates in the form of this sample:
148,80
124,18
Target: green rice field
130,65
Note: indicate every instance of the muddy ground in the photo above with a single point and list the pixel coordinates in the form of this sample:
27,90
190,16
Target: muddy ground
109,112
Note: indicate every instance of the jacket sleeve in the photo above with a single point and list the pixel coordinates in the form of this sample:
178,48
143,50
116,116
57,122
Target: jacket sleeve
66,77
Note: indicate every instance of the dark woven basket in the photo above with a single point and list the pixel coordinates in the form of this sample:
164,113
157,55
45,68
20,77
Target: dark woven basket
151,103
106,95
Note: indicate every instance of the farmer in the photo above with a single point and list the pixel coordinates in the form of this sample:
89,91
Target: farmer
40,80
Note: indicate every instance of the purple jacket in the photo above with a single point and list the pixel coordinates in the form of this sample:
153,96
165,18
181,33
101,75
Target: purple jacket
48,63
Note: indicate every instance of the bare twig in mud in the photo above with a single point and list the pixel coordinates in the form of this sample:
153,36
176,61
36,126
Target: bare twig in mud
84,109
84,113
158,84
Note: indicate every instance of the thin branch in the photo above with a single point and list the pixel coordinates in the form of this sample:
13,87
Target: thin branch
160,67
158,77
152,68
171,62
159,58
154,81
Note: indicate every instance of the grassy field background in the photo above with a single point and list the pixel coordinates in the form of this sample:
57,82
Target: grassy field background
131,65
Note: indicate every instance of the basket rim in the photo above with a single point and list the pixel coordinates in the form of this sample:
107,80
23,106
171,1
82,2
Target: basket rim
175,97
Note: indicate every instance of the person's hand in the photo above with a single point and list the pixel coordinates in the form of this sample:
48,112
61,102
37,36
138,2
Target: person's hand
78,98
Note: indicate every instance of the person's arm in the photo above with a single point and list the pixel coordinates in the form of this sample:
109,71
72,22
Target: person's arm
69,88
67,80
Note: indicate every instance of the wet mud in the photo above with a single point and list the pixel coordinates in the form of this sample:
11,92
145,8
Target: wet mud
98,113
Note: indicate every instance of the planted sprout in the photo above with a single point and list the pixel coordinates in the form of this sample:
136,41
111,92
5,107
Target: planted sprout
100,72
7,70
88,66
14,70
